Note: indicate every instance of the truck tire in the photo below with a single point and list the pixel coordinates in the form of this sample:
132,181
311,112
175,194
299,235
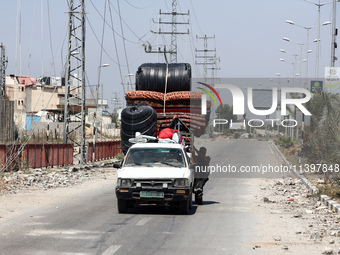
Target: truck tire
152,77
122,205
185,206
134,119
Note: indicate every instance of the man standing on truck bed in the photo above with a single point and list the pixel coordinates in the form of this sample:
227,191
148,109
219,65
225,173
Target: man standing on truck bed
201,176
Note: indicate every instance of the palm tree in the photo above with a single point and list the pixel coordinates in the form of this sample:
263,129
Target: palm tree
322,138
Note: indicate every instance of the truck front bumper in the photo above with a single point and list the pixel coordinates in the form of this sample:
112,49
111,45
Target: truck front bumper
156,195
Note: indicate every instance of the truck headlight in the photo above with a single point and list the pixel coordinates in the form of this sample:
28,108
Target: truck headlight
181,183
124,182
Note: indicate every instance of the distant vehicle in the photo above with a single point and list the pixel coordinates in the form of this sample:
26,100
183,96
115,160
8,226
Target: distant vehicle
155,173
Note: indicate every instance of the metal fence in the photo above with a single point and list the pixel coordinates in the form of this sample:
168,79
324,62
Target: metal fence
103,150
12,157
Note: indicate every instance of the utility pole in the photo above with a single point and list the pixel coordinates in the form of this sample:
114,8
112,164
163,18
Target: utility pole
115,102
173,33
334,34
214,69
208,60
75,75
3,63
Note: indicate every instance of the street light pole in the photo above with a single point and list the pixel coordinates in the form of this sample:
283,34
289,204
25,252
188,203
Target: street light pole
307,43
318,42
97,95
123,83
95,116
334,34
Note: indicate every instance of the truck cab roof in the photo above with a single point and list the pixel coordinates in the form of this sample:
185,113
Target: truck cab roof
157,145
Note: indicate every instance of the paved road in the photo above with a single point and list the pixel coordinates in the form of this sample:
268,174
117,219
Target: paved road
89,223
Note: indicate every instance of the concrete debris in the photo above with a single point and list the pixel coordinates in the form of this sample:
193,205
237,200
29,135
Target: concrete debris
277,238
284,247
320,181
47,178
318,222
327,250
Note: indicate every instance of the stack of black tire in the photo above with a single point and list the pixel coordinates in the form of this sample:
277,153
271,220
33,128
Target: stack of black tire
152,76
134,119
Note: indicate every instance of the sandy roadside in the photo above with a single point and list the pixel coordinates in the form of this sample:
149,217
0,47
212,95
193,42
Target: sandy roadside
13,205
291,222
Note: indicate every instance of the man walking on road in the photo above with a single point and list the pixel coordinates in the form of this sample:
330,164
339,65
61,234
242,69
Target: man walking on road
201,176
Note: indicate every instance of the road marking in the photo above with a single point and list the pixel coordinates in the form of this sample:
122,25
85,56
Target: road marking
112,250
143,221
167,233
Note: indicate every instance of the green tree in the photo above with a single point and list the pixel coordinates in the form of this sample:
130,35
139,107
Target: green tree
115,119
225,112
322,137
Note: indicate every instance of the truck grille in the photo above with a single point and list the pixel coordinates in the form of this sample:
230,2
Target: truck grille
152,183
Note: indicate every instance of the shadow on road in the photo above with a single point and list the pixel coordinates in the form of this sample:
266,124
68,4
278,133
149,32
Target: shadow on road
163,210
159,209
210,202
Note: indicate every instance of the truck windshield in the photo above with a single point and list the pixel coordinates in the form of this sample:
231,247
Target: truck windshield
150,157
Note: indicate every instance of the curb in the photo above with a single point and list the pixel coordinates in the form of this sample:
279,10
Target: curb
332,205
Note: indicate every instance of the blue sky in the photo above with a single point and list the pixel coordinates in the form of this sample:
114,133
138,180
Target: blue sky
248,36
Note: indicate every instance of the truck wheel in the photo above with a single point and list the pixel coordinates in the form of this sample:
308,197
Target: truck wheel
122,205
199,198
190,201
185,206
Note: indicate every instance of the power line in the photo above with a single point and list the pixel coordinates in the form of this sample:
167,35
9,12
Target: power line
116,48
140,8
199,27
50,33
124,44
138,37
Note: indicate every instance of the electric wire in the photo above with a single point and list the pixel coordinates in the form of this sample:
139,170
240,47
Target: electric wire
98,40
140,8
42,35
101,50
193,10
116,48
32,37
138,37
124,44
50,34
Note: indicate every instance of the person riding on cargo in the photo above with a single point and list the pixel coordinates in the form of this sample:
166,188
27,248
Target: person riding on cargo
159,128
174,122
201,171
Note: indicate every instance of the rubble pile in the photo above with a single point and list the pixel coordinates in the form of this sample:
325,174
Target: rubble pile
291,198
47,179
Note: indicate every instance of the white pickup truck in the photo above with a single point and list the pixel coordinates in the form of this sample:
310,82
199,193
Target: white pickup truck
155,173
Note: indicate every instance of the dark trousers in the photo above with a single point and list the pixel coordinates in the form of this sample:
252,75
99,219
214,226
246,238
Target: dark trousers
200,182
